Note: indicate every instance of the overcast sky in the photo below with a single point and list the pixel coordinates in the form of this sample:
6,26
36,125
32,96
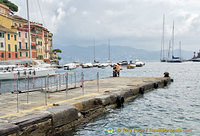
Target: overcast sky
135,23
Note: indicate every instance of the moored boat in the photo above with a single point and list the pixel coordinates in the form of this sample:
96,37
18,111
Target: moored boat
131,66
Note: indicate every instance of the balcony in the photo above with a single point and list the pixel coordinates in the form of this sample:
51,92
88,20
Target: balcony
24,49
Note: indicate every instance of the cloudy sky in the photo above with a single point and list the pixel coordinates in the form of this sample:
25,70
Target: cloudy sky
135,23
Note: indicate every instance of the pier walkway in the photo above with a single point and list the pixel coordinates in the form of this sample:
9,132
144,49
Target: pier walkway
14,106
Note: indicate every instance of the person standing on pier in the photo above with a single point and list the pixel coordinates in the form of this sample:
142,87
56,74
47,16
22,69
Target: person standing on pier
118,69
114,70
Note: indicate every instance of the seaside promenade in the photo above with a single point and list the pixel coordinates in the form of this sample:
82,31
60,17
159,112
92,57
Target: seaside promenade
25,113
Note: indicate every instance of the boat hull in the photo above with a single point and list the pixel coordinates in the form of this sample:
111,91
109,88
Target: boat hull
29,73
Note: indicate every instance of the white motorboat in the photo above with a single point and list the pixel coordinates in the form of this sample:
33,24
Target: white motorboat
139,63
25,72
95,64
70,66
103,65
87,65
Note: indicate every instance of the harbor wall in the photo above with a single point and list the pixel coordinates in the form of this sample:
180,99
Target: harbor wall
61,118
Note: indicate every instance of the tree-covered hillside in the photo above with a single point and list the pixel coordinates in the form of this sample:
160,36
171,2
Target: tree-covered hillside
11,5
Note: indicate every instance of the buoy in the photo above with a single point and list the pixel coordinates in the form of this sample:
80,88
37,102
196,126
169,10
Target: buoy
172,80
155,85
141,90
120,101
165,82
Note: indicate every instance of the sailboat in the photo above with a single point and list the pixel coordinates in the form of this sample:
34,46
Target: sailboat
174,59
162,51
95,63
108,61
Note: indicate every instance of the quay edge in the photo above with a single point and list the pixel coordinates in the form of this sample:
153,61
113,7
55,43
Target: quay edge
61,118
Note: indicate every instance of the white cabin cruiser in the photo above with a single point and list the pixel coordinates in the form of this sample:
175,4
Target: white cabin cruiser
103,65
87,65
139,63
25,72
70,66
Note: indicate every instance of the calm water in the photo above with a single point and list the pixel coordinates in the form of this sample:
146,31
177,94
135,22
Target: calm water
174,107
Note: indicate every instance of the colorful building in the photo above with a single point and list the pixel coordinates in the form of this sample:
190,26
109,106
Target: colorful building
2,44
4,10
15,38
23,43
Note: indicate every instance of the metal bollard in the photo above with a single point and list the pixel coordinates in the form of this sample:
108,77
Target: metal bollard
28,91
45,90
17,95
75,79
98,81
66,79
82,80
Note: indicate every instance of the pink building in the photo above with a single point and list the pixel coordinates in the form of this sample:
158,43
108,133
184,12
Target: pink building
23,46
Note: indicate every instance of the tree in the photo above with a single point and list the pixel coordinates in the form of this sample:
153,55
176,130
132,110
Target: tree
9,4
57,50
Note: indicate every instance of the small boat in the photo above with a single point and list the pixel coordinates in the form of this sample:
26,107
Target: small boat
103,65
175,60
87,65
123,63
196,60
131,66
139,63
70,66
95,64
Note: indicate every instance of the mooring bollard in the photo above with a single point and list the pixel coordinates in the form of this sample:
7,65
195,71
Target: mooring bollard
97,81
28,91
75,79
82,80
45,91
66,79
17,95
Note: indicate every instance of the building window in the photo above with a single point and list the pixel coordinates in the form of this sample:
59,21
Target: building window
9,55
2,35
1,44
20,54
8,47
15,55
20,45
15,48
25,35
2,55
8,36
26,54
26,45
15,37
19,34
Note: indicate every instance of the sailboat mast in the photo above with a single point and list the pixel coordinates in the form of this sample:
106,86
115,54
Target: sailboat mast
173,40
169,49
29,33
109,50
163,38
94,52
180,48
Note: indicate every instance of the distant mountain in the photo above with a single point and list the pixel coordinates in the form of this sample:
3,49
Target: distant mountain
86,54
